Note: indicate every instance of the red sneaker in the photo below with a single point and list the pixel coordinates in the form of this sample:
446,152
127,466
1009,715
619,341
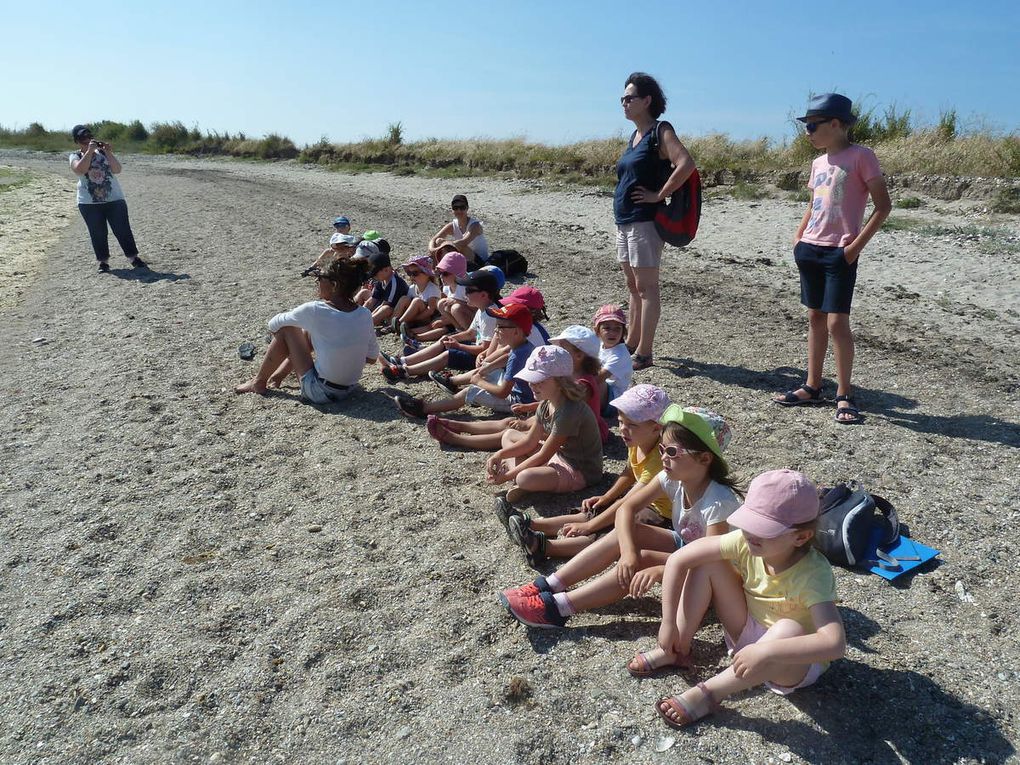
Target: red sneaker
536,610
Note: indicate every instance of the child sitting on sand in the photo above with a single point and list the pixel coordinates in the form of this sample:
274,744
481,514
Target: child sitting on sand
772,591
455,313
334,328
467,350
828,245
697,478
513,323
418,306
561,451
340,245
639,408
386,291
583,346
617,371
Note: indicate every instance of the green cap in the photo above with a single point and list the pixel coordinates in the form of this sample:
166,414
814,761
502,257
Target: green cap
710,428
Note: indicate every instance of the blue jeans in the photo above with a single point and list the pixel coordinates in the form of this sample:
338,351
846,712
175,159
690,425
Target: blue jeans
97,216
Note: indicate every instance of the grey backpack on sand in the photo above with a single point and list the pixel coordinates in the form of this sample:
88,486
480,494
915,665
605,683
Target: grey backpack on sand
846,521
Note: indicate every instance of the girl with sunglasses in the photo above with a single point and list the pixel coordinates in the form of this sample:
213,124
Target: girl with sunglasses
463,232
695,476
418,306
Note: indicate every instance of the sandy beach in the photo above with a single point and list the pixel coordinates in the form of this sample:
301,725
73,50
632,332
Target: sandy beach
190,576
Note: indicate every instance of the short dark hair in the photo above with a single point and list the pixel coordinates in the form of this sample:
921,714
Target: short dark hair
459,199
646,85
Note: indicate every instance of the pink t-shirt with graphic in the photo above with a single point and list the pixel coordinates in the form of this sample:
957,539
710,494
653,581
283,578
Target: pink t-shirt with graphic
840,185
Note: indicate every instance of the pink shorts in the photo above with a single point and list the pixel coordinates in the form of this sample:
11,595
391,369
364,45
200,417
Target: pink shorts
569,477
752,633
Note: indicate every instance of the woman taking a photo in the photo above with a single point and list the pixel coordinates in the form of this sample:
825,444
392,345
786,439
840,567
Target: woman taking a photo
100,199
639,191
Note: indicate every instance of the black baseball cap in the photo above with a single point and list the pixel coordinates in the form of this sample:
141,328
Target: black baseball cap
377,261
78,130
483,280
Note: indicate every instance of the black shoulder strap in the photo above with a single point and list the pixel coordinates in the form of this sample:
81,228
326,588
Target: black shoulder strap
653,142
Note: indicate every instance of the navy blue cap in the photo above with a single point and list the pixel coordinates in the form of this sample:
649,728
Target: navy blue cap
831,105
341,220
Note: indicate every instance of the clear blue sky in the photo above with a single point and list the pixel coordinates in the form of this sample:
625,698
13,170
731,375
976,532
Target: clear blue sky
550,71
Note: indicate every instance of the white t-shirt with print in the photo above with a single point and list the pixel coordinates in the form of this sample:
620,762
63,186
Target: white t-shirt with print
430,291
457,292
484,325
99,184
715,506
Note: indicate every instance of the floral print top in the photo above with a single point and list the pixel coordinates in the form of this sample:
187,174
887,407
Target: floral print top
99,184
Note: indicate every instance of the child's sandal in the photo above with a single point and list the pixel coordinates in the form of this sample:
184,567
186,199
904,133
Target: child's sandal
679,706
649,668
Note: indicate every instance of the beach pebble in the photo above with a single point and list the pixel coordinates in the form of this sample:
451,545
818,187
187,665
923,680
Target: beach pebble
961,592
314,528
404,732
636,740
786,757
664,744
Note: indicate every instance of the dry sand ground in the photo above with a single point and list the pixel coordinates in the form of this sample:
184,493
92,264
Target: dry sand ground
165,595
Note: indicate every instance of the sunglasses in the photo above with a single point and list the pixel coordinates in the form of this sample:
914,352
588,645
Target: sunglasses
624,100
412,271
507,326
459,207
811,127
674,451
472,290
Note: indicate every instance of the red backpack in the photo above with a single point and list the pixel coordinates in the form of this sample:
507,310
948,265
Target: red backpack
677,219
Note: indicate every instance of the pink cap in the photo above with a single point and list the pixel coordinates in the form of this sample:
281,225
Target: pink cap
609,313
776,501
642,403
453,263
423,262
526,295
546,361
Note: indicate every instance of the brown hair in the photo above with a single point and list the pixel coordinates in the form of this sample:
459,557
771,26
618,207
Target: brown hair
589,364
346,274
718,470
572,389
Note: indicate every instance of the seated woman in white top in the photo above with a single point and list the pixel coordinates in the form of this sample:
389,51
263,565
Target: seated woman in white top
463,232
339,332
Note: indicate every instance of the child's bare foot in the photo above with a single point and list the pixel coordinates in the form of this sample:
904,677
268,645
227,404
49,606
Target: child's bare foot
687,708
252,386
656,661
276,380
454,426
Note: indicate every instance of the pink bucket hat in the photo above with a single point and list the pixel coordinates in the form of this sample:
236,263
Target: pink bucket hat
453,263
642,403
544,362
527,296
776,501
423,262
582,338
609,313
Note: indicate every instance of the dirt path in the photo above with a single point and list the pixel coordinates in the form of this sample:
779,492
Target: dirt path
166,595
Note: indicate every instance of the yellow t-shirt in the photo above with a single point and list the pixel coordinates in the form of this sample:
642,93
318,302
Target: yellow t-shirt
646,472
787,595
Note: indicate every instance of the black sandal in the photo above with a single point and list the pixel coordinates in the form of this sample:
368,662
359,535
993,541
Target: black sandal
851,414
790,398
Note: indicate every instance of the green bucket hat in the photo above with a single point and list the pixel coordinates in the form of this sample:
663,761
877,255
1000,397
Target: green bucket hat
710,428
371,235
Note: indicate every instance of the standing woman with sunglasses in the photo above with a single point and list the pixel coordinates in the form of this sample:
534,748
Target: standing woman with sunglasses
463,232
639,190
100,198
695,476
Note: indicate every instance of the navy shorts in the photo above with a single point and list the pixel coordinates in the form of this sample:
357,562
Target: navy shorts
826,279
460,360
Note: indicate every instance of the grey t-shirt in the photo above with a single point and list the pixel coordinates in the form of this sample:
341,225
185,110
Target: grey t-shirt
575,421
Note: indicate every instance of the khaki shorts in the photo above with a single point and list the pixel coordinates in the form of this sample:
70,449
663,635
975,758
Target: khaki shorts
568,477
639,245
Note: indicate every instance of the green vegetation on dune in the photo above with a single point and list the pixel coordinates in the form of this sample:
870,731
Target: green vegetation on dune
902,146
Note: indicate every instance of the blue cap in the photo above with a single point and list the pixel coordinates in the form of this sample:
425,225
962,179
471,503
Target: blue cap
341,220
497,272
831,105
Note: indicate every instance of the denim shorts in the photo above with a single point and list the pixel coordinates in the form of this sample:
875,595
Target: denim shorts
826,279
315,389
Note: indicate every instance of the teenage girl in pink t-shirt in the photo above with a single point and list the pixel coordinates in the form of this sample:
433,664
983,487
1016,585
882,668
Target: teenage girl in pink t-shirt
828,245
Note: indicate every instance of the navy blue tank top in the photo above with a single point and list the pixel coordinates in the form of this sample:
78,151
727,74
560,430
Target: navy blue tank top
638,166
